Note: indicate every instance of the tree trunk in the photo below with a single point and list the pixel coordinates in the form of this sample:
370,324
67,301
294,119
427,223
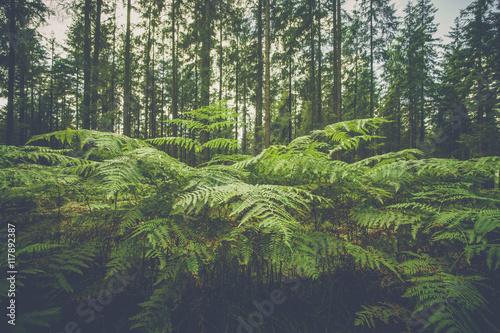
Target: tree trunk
87,66
22,96
152,121
126,79
32,106
205,66
221,52
95,66
337,51
113,74
175,115
258,93
422,113
318,88
290,97
268,82
9,140
372,87
162,125
411,104
221,57
41,121
237,88
312,66
244,134
77,97
51,108
147,87
356,78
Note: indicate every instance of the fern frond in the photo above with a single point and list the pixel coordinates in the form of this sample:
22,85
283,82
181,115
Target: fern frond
384,312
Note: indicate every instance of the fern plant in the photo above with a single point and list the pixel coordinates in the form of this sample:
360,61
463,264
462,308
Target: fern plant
424,232
215,118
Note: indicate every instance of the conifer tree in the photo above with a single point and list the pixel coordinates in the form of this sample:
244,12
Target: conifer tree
380,26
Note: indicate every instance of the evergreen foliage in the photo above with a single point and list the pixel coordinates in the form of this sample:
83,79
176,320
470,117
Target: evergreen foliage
424,231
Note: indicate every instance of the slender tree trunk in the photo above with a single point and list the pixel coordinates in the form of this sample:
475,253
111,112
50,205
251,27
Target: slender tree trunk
87,66
422,113
335,56
56,116
312,66
175,115
268,81
290,96
196,99
63,112
9,140
319,101
372,87
126,79
237,87
411,104
356,114
398,125
258,93
221,53
32,106
95,66
205,66
244,138
422,88
77,98
152,130
337,51
183,129
162,134
42,123
147,87
480,108
339,59
22,98
221,58
113,74
138,123
51,108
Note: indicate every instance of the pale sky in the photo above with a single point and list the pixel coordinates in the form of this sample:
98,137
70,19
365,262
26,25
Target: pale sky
448,10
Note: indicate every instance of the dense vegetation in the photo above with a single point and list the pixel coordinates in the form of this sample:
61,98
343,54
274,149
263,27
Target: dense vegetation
127,67
369,240
250,166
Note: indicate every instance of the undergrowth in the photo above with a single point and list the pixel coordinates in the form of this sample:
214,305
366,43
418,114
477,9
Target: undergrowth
388,243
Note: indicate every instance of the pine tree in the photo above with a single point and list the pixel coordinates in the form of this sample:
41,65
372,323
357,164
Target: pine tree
380,26
356,61
20,20
420,62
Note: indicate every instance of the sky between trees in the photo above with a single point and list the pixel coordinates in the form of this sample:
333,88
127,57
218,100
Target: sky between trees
58,23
